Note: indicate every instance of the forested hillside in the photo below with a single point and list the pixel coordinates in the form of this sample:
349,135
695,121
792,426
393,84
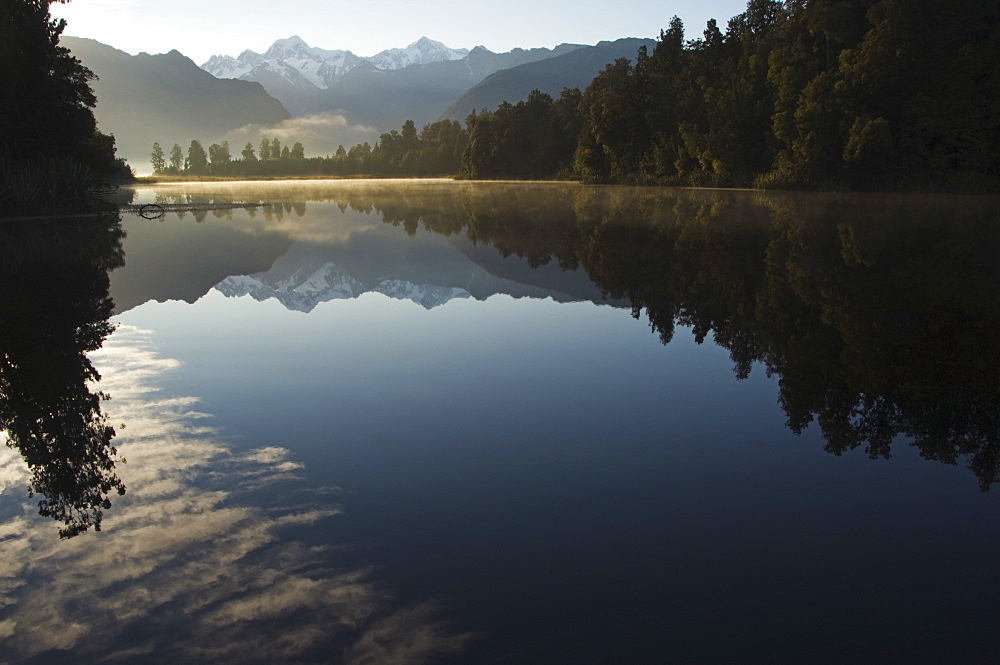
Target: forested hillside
866,94
144,98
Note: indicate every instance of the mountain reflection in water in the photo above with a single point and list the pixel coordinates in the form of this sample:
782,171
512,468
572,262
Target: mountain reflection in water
876,315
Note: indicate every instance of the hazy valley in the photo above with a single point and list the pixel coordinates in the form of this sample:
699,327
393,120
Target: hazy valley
325,98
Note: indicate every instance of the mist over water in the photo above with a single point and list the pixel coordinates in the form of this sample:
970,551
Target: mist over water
398,421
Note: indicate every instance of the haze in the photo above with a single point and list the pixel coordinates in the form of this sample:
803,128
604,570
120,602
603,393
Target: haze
202,29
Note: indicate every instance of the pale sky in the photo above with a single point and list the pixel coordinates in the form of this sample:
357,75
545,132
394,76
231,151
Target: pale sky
202,28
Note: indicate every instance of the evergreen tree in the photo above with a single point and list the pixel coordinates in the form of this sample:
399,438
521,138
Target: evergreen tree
219,156
197,160
157,159
298,152
248,154
615,124
359,158
176,159
47,108
265,148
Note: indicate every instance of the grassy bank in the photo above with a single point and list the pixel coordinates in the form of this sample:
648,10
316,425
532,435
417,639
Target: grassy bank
162,179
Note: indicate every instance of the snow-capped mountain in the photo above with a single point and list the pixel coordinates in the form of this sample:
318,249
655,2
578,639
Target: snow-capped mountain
291,58
294,60
421,52
307,286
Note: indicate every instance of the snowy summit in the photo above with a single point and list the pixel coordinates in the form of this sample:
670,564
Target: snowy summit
293,59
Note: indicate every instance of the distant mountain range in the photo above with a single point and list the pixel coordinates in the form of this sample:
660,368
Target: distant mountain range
346,98
382,91
295,60
575,69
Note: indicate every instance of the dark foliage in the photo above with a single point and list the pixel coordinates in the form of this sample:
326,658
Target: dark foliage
877,315
859,94
817,94
46,104
531,139
54,309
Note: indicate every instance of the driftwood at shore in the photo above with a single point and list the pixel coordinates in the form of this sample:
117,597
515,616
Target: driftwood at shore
158,210
146,210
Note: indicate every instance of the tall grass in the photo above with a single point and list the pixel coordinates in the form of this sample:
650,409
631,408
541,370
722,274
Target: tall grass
49,187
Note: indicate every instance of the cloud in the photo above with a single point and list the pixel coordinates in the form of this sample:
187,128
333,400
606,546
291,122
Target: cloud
188,568
320,134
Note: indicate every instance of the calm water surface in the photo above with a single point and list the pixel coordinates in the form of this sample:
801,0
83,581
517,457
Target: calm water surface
462,423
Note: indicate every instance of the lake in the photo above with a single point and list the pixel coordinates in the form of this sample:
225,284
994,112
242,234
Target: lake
443,422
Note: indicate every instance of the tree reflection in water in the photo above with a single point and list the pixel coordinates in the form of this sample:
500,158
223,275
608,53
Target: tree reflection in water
54,309
877,314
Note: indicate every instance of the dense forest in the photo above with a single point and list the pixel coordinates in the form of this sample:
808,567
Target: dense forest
51,153
865,94
818,94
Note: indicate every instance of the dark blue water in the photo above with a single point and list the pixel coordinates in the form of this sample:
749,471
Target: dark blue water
464,456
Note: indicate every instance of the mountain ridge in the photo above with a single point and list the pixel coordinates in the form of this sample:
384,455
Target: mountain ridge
167,98
573,69
309,287
416,83
324,67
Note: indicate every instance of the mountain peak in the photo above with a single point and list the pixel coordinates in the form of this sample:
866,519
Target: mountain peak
421,52
293,59
293,45
309,285
425,43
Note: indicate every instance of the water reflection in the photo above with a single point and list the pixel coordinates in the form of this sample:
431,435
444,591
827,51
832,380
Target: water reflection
54,309
876,313
199,563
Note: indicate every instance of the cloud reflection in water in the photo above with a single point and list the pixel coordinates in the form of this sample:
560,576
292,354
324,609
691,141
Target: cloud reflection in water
194,564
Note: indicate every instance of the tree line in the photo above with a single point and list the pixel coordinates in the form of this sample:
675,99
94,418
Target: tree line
436,150
802,93
219,160
817,94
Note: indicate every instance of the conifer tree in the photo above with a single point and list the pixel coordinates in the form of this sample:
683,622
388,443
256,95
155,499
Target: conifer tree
157,159
176,159
197,160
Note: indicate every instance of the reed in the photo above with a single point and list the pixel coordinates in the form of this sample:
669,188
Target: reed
49,187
